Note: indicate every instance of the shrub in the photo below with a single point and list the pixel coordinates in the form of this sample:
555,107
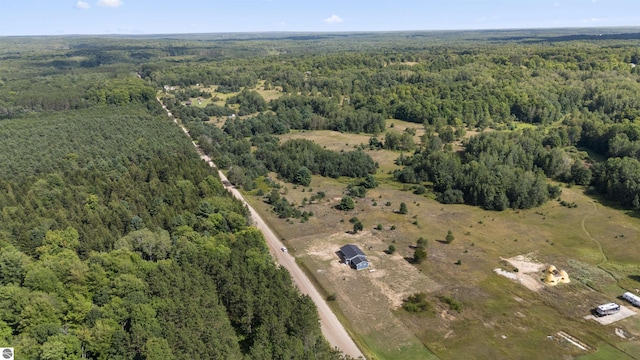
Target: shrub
449,239
419,190
392,249
419,255
417,303
346,204
357,226
403,208
453,303
357,191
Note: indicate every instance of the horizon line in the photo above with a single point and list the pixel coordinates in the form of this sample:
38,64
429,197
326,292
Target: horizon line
328,32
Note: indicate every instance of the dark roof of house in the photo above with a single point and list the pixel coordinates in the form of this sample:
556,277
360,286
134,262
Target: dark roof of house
349,251
358,260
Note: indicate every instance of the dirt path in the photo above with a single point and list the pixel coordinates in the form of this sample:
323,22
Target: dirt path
331,327
584,228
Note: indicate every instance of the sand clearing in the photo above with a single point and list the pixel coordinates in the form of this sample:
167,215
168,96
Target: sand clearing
527,271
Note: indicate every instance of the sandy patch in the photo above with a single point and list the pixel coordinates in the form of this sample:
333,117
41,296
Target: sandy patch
527,280
391,276
525,264
505,273
526,267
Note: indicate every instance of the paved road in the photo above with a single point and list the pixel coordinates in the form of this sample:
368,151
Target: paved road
331,327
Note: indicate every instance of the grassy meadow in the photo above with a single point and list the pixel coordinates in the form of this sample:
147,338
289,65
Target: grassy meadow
500,318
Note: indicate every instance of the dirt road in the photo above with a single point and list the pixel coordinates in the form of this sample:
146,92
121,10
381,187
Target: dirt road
332,329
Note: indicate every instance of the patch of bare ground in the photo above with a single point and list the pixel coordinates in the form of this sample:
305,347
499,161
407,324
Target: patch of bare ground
525,264
527,274
366,297
391,275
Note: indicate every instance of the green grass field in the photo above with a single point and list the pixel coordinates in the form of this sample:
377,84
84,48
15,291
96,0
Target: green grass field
501,318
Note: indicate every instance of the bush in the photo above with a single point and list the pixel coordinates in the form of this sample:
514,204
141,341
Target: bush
318,196
417,303
346,204
369,182
403,208
357,226
449,239
419,255
357,191
392,249
453,303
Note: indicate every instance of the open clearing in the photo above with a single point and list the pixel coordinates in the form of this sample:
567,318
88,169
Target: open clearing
526,267
595,244
367,296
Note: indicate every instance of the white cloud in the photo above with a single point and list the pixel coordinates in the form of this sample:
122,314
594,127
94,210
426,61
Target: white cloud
110,3
82,5
333,19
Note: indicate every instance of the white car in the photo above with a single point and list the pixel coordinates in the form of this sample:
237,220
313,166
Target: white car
284,249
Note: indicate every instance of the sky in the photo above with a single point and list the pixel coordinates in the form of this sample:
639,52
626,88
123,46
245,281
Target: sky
65,17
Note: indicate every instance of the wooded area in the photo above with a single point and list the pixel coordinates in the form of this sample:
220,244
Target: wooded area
580,97
117,242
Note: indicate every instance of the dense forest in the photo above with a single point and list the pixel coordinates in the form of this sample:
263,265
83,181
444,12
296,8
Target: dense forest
117,242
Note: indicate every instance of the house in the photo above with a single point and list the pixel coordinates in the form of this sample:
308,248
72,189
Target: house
354,257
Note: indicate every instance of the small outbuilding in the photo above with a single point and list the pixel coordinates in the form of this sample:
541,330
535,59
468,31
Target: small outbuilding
555,277
354,257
